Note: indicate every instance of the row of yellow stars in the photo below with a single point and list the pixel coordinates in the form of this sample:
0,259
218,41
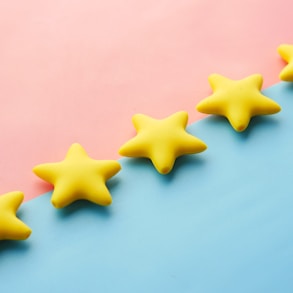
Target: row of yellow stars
80,177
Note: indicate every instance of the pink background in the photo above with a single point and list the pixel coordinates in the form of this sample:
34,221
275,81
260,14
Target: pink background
77,70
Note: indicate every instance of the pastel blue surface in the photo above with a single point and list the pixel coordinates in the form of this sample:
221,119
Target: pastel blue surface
222,221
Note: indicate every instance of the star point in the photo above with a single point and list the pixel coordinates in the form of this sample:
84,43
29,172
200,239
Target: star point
286,52
78,177
237,100
162,141
12,228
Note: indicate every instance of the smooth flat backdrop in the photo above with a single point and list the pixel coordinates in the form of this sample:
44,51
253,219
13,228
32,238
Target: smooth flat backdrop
221,222
77,70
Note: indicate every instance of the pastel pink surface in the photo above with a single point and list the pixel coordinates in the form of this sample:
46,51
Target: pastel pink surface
76,71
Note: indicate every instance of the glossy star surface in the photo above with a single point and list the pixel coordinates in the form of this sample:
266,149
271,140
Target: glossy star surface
286,52
237,100
162,141
11,228
78,177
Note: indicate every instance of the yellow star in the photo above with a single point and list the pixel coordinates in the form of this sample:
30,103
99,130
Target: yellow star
11,228
286,52
78,177
162,141
237,100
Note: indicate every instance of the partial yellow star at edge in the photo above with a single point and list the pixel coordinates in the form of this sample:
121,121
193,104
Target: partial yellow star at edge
78,177
12,228
237,100
286,52
162,141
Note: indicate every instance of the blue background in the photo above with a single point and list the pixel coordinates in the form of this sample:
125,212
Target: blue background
222,221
